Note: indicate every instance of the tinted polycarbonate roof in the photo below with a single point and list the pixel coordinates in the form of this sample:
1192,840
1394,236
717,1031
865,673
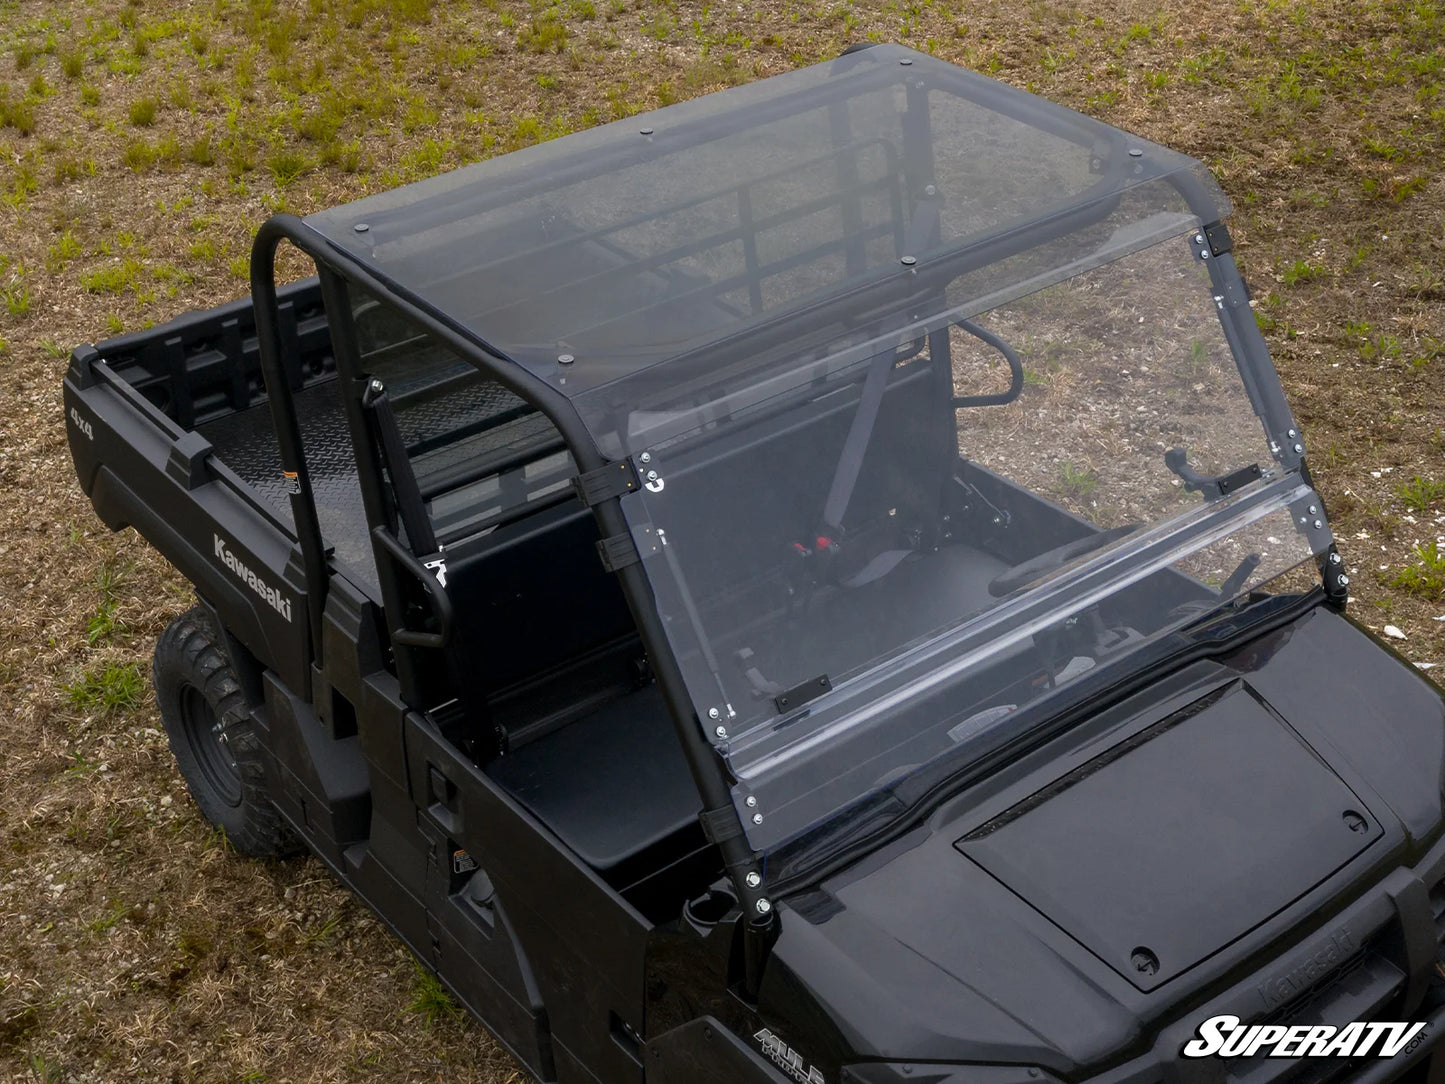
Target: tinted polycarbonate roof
691,231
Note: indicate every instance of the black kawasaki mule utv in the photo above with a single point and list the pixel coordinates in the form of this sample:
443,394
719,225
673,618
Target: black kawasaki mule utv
816,583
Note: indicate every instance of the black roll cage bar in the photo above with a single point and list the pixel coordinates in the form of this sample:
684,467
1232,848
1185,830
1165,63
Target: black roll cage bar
724,827
719,816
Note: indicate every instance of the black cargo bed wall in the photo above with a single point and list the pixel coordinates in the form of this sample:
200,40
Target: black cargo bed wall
205,365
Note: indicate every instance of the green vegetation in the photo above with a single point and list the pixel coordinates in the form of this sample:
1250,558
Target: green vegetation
114,279
108,688
544,34
16,294
142,112
1419,493
1426,578
286,166
64,249
1076,481
105,622
1301,271
430,999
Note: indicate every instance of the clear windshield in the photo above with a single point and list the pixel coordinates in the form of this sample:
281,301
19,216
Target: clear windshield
894,542
926,378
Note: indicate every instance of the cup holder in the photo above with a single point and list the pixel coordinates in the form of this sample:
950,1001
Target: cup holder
708,910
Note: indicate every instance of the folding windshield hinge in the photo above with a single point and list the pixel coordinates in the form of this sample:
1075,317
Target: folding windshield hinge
607,481
1332,575
620,550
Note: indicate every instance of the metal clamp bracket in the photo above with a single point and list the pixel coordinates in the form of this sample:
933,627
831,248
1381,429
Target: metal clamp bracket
1218,239
607,481
720,825
620,550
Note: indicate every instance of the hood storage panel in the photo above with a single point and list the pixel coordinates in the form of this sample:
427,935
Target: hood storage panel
1160,852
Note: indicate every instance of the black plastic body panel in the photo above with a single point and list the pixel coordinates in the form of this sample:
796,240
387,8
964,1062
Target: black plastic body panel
1224,786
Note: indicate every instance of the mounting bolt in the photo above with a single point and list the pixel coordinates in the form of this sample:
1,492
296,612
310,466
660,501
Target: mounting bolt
1314,511
930,190
377,386
754,879
763,906
757,818
644,131
1299,449
1199,238
645,457
565,359
1344,580
905,62
908,261
751,801
713,713
652,476
1334,558
1291,434
721,732
361,227
1204,254
1318,525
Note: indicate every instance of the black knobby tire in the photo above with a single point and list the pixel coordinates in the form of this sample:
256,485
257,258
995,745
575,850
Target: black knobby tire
214,738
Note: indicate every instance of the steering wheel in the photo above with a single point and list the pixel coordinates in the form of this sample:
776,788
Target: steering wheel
1049,560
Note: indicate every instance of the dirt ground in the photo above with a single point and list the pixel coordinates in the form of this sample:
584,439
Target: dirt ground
141,144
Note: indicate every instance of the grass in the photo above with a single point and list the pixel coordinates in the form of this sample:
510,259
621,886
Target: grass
429,998
1301,271
105,622
1419,493
1425,578
142,112
544,34
1076,481
108,688
15,293
114,279
286,166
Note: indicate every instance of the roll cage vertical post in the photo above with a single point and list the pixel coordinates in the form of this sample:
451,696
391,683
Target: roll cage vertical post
719,816
283,416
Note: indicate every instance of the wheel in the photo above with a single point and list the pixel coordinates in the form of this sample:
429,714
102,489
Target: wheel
214,739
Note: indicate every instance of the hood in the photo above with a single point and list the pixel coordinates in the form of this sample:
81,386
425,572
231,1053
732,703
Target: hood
1059,914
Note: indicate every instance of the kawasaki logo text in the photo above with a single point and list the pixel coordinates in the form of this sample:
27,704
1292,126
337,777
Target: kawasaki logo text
1279,990
1226,1037
272,597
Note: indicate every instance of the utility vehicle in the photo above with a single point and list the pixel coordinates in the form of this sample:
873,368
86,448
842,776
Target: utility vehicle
819,582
